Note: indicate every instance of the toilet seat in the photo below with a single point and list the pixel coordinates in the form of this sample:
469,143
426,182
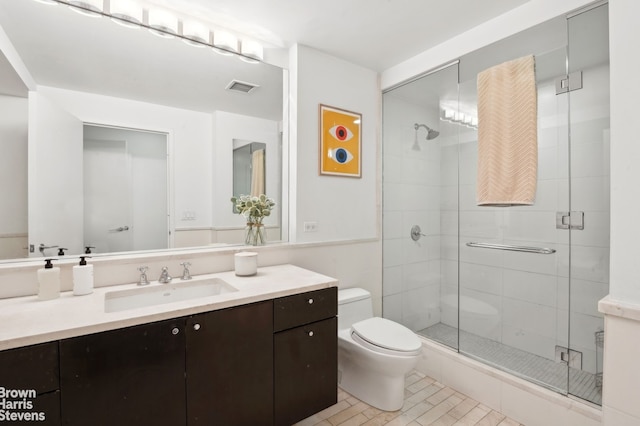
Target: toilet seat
385,336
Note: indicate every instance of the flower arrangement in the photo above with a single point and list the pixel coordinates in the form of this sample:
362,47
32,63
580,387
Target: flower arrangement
254,209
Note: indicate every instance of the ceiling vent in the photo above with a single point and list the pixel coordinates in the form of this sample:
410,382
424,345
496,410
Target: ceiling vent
241,86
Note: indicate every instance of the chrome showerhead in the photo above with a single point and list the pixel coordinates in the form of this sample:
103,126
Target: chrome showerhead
431,134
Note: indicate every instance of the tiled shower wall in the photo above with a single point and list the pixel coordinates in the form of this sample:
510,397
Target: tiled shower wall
411,196
519,299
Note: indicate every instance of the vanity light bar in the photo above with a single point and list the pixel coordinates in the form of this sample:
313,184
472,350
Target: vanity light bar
457,117
126,13
164,24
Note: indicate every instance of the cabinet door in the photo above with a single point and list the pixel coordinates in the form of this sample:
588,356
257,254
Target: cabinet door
32,370
132,376
230,366
306,370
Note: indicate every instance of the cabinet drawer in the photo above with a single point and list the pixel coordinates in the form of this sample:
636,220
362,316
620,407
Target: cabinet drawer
31,367
299,309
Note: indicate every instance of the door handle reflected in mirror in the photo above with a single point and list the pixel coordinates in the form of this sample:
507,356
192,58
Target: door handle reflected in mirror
120,229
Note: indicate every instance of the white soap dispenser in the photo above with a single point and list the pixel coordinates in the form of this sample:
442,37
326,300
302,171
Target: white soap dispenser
82,277
48,281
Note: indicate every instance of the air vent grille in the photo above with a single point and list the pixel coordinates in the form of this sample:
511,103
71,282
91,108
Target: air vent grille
241,86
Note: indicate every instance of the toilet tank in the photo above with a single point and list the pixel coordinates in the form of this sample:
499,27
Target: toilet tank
354,304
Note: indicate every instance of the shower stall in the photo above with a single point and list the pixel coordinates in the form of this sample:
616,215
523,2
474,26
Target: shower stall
513,287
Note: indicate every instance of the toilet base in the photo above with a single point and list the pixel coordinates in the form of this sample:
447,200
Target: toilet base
375,379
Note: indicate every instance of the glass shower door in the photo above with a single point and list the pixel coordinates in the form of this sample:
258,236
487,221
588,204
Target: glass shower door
420,205
513,298
588,67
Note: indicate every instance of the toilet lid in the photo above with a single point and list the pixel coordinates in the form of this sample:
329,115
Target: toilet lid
387,334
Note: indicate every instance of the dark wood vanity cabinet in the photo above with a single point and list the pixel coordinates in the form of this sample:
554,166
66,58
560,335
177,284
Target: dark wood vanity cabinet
265,363
306,354
229,368
131,376
32,370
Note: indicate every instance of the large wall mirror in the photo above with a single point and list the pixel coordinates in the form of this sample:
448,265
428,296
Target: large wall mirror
64,75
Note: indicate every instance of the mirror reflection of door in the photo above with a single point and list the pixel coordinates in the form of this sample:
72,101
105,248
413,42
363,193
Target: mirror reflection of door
249,174
125,189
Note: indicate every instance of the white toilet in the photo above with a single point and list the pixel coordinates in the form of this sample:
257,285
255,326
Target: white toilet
374,354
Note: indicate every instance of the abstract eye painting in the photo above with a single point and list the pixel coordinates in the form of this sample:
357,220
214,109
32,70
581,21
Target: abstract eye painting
340,142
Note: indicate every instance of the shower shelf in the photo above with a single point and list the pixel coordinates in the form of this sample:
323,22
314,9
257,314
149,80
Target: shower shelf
539,250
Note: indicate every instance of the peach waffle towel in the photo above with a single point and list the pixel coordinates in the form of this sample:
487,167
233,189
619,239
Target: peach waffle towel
507,134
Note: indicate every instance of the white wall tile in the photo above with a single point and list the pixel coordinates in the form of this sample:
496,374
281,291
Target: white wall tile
392,280
416,275
392,253
483,224
585,296
590,193
420,307
482,278
392,225
531,287
392,169
595,232
392,307
414,251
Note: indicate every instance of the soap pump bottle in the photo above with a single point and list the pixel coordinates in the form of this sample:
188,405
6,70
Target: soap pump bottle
82,277
48,281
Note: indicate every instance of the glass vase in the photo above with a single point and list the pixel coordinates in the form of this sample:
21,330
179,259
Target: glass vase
248,236
255,234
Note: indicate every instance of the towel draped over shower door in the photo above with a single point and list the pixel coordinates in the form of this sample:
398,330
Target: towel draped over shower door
507,134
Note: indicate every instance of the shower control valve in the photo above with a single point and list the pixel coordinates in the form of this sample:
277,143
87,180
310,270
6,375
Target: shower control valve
416,233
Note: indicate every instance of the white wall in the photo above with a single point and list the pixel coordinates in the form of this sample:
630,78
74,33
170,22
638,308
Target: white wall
344,208
13,176
621,371
13,165
625,151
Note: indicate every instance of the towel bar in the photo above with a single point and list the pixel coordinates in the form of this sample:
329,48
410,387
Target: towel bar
539,250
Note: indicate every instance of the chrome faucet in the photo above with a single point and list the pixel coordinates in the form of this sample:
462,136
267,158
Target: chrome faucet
186,274
143,275
43,247
165,278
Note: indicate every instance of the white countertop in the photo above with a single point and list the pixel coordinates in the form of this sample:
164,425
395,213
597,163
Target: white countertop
618,308
27,320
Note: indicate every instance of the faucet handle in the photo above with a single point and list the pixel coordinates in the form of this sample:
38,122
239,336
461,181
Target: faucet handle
143,275
186,274
165,278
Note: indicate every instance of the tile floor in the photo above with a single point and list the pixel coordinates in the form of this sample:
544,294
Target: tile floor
426,402
543,371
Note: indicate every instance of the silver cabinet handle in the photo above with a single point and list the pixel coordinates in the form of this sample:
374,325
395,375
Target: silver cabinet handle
196,326
310,334
175,331
311,301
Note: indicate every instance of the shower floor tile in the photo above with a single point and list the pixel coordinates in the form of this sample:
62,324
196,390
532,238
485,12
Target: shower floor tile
426,402
540,370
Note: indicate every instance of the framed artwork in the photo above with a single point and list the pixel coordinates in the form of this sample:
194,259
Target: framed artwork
340,142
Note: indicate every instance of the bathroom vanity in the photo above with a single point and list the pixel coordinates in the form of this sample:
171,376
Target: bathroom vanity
264,354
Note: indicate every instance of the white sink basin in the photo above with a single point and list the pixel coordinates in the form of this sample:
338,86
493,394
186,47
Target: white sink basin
158,294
